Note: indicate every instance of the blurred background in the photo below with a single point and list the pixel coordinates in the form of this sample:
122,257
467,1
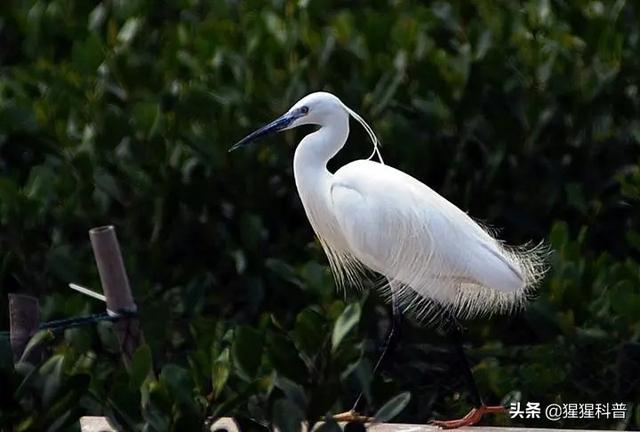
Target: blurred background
525,114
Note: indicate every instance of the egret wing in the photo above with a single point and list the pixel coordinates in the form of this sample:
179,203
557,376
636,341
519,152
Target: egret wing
402,229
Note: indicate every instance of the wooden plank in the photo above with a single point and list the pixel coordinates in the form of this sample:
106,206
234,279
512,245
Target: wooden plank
103,424
224,423
401,427
94,424
98,424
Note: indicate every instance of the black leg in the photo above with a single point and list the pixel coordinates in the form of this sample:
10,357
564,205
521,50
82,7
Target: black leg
476,399
389,343
454,330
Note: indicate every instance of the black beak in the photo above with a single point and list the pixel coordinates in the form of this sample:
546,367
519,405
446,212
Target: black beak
275,126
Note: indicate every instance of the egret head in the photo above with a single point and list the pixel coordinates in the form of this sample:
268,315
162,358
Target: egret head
314,109
320,108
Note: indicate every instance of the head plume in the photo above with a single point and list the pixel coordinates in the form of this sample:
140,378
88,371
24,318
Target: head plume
369,130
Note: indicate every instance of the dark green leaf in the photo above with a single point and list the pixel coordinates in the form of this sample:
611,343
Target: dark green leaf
287,417
293,391
310,331
178,383
284,357
349,318
392,407
220,371
40,338
247,351
141,365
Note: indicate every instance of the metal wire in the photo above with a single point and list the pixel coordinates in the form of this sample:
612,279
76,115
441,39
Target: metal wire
66,323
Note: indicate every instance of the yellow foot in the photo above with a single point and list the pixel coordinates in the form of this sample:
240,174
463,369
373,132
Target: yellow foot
352,416
470,419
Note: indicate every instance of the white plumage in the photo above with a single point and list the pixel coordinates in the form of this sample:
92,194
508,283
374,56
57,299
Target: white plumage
369,216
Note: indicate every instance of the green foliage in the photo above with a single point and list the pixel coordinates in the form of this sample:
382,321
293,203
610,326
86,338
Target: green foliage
121,112
344,324
393,407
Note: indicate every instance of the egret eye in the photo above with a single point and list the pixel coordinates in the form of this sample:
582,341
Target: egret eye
304,109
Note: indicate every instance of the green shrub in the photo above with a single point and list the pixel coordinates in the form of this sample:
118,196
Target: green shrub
121,112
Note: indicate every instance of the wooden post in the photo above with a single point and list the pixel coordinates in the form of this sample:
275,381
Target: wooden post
115,285
24,320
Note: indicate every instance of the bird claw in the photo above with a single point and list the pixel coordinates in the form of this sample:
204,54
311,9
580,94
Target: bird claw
352,416
470,419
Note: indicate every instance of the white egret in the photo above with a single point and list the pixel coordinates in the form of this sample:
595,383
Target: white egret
437,262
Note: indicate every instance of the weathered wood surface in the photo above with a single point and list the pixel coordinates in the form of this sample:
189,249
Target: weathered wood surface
225,423
103,424
100,424
397,427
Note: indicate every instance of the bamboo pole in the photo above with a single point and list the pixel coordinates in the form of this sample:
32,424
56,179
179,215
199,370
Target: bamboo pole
24,320
115,285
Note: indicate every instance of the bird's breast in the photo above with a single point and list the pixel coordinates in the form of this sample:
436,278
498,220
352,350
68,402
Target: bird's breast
316,200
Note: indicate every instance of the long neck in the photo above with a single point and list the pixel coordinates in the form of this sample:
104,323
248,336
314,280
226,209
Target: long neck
313,180
316,149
